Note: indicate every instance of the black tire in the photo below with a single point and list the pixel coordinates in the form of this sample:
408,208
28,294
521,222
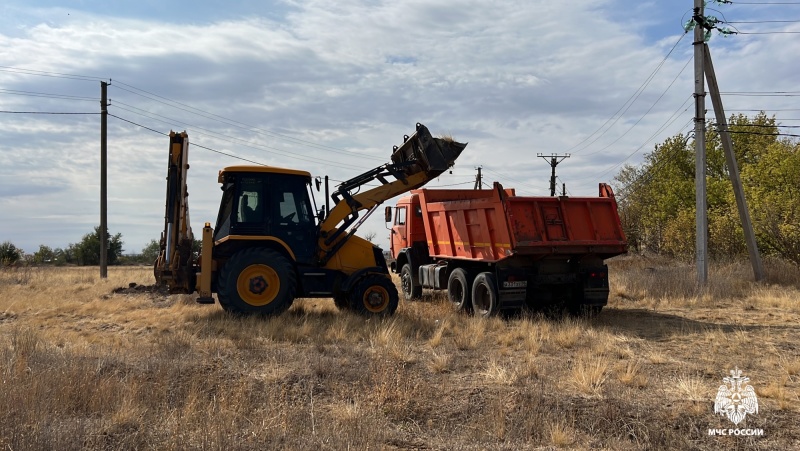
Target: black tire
484,295
410,291
257,281
374,295
459,290
341,301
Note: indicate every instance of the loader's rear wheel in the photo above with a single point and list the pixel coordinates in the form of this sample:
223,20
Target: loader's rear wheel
410,291
374,295
458,290
257,281
484,295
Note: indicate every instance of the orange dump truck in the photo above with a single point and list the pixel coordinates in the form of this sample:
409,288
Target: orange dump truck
492,250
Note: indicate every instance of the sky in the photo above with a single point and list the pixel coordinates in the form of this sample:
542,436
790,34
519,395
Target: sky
329,86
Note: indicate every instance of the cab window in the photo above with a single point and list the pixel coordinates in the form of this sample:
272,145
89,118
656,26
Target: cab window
400,218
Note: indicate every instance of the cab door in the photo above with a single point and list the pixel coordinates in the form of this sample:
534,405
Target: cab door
291,215
399,230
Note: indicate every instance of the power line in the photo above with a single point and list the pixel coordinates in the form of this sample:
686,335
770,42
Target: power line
762,3
763,134
40,112
753,94
646,112
42,73
48,95
193,144
208,115
761,21
230,139
632,154
619,113
768,32
516,181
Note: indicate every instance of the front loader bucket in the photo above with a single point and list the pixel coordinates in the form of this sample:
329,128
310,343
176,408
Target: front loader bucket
421,152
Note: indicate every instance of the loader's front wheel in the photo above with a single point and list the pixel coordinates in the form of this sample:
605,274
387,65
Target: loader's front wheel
257,281
410,291
374,295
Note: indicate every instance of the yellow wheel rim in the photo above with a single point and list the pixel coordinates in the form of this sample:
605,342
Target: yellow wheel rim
376,299
258,285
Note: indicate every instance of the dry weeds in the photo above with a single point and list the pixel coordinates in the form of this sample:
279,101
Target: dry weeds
85,367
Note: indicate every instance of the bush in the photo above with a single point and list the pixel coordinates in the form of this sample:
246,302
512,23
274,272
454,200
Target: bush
9,254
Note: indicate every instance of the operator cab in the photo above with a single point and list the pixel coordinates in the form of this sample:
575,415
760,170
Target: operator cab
269,203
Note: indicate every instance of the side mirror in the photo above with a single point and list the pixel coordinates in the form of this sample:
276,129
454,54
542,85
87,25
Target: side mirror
387,213
318,182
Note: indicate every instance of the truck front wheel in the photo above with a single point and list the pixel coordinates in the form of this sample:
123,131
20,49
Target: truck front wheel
257,281
410,291
458,290
374,295
484,295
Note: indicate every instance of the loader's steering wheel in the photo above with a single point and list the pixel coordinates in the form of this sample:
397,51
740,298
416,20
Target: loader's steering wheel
289,217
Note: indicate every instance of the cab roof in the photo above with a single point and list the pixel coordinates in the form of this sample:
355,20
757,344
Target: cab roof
262,169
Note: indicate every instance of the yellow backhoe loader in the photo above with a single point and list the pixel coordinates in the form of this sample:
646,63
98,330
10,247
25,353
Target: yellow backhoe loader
270,244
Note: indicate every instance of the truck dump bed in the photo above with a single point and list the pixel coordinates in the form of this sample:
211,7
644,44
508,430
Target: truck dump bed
491,225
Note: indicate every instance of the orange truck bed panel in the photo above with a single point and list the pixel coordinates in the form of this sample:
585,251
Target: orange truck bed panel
490,225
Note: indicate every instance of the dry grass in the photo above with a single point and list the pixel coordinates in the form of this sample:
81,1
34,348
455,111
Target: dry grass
82,367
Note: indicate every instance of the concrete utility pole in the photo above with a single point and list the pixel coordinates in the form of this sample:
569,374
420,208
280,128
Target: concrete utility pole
103,180
701,204
733,167
554,160
479,179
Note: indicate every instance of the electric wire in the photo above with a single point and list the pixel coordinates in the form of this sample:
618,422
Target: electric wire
241,125
671,120
42,73
47,95
629,156
645,113
619,113
230,139
193,144
516,181
763,3
45,112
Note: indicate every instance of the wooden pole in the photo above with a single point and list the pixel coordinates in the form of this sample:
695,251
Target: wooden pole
733,167
103,180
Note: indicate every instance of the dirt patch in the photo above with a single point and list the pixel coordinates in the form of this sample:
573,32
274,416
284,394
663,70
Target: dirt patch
134,288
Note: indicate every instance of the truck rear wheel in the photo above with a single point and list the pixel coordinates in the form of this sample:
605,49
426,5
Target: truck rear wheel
484,295
459,290
410,291
374,295
257,281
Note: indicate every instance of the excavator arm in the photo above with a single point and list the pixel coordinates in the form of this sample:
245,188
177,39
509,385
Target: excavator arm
420,159
174,265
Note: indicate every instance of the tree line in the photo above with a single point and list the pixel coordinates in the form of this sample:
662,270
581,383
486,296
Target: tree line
85,252
657,198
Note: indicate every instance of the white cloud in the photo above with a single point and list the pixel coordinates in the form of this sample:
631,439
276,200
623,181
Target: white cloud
511,77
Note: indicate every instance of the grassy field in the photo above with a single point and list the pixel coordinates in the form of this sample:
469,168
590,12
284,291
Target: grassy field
85,367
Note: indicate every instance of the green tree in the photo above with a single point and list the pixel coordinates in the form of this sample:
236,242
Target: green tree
150,252
44,255
9,254
657,199
87,251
